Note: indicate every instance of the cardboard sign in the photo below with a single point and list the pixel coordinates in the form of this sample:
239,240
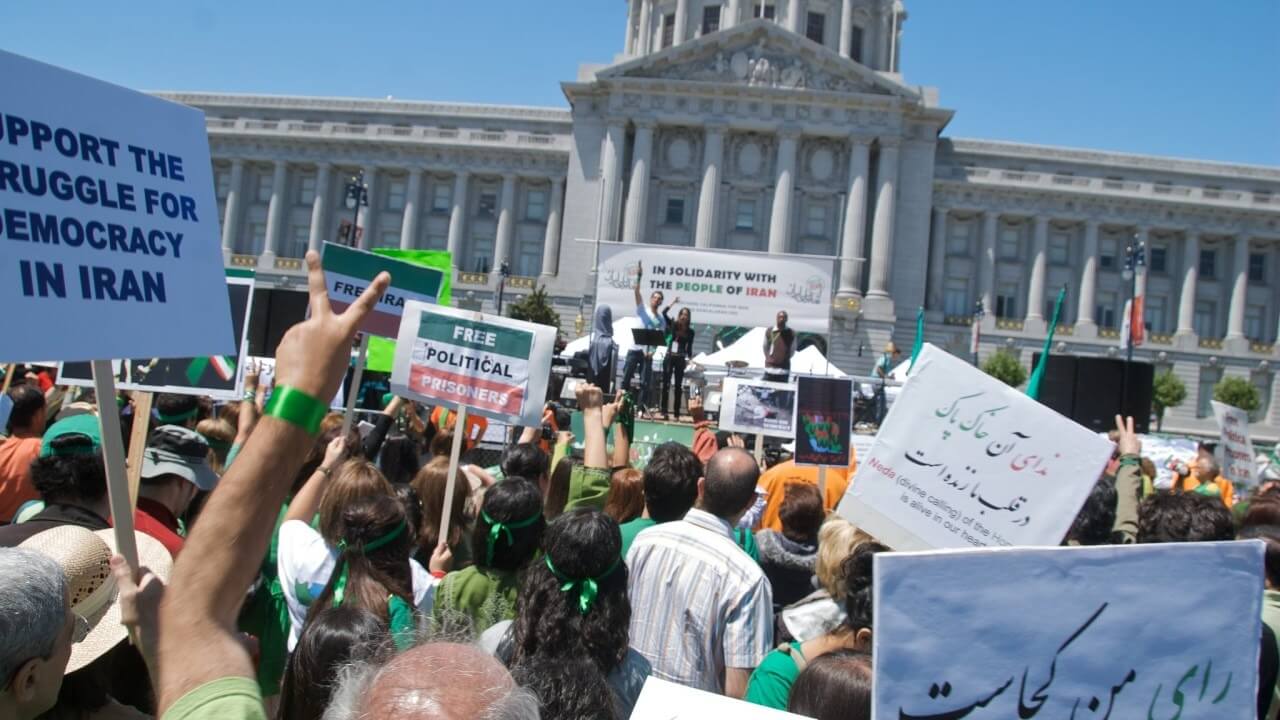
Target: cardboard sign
824,421
720,287
348,272
963,460
664,700
382,351
220,377
495,366
1237,448
109,233
1141,631
756,407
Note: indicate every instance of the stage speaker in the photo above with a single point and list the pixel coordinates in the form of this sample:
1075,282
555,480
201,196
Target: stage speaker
274,312
1058,388
1092,391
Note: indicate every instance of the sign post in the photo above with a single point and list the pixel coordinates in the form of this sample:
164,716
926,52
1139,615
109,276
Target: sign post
104,387
357,376
142,402
1237,447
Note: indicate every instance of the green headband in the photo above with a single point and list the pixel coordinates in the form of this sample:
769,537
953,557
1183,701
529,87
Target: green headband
176,417
340,587
586,588
404,627
497,528
216,444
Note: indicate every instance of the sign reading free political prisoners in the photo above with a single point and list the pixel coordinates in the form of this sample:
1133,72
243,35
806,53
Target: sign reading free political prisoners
719,287
494,366
963,460
109,235
348,272
1122,632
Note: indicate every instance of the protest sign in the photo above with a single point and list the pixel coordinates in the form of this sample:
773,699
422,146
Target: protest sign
824,415
382,351
1237,448
494,366
109,233
756,407
719,287
1144,631
348,272
964,460
664,700
220,377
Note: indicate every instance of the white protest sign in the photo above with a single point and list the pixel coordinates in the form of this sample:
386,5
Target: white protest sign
720,287
1237,448
109,229
495,366
663,700
963,460
757,407
1140,631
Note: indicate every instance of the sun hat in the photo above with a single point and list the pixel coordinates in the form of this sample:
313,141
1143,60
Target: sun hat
174,450
79,425
85,559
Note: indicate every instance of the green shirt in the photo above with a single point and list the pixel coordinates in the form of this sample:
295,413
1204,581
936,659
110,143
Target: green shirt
475,595
631,529
588,487
771,682
228,698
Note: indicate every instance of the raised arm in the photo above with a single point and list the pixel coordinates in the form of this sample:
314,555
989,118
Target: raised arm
639,275
198,640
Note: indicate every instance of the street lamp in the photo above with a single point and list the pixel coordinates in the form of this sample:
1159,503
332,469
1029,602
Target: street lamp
1135,259
504,270
356,197
976,330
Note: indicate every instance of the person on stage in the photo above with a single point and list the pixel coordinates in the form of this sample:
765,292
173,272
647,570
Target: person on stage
779,346
651,318
679,350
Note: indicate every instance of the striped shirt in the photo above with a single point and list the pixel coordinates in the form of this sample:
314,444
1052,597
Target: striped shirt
699,604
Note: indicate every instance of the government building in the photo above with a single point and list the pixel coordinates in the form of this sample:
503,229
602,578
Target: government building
780,126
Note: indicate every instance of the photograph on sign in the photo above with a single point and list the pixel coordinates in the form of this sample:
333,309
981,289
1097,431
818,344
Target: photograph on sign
1238,464
494,366
756,407
824,417
126,264
720,287
267,379
964,460
348,272
1138,631
220,377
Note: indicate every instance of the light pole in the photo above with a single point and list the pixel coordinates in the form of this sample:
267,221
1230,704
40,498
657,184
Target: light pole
976,331
503,271
1135,259
357,196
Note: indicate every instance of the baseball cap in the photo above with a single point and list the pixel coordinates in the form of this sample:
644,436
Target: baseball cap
81,426
175,450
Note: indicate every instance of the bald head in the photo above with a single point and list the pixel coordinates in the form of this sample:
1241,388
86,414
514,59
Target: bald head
446,681
730,483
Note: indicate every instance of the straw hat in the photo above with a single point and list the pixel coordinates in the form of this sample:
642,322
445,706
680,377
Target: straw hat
85,559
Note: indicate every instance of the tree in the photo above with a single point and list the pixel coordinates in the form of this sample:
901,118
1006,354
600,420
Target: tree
1237,392
1167,391
1004,366
535,308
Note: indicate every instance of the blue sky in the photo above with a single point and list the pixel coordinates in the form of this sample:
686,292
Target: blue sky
1186,78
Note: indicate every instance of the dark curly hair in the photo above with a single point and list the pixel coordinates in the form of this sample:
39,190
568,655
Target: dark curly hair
568,689
1097,517
332,639
582,543
1184,517
858,586
72,479
510,501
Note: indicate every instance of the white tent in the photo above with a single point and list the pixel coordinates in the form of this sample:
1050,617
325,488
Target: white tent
749,349
622,328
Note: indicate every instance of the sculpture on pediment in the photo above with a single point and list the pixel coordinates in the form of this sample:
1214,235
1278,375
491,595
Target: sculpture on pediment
762,73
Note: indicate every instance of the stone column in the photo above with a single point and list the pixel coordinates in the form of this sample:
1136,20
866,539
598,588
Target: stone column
275,211
709,193
610,176
1088,282
409,225
885,48
367,213
731,14
644,39
1239,289
987,263
231,213
853,234
458,217
1035,288
783,189
1190,276
846,28
633,229
629,44
319,208
682,22
882,227
795,16
551,242
938,259
506,222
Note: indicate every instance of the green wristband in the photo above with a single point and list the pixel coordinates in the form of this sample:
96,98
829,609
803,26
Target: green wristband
296,407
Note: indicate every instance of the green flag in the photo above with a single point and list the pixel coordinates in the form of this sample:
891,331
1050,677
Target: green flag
919,344
382,352
1033,387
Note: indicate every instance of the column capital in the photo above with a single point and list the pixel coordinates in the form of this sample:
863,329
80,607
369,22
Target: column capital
790,132
237,162
1041,220
860,138
323,165
889,142
616,121
716,128
646,123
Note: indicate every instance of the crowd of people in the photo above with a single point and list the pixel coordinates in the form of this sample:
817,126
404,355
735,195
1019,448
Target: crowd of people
289,570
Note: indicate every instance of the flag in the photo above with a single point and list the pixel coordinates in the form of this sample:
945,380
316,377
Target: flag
1033,387
1126,324
225,366
919,343
1137,320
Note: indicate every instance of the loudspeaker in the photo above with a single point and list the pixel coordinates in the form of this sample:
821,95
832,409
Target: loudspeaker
1058,388
1092,391
274,312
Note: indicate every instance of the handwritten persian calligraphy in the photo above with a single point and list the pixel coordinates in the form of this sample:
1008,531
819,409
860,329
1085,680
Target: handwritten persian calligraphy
1067,633
963,460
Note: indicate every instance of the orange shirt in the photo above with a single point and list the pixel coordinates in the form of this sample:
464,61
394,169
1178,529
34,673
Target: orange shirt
775,480
16,455
1218,487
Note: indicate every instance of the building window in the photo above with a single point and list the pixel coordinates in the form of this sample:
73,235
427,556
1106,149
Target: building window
1009,242
1209,377
1208,264
437,241
1007,300
481,254
958,238
1107,251
396,194
1153,314
298,243
1104,313
487,205
668,30
1206,315
1257,268
1059,248
955,298
535,205
222,184
675,211
263,193
257,238
306,189
815,27
1262,381
745,216
816,221
855,44
710,19
1253,322
1158,259
389,239
529,259
764,10
441,197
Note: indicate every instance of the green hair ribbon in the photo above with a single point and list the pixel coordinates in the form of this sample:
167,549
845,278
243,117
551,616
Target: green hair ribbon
404,625
586,588
627,416
498,528
340,587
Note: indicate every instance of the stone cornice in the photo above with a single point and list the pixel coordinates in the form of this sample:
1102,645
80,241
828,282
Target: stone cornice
1105,159
476,161
365,105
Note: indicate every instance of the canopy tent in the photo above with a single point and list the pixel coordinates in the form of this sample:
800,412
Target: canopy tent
622,328
749,351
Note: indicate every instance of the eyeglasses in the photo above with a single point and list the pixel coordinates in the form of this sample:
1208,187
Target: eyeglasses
81,629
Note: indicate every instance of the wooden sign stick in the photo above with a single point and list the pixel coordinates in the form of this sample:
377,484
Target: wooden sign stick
353,392
459,429
104,385
138,442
